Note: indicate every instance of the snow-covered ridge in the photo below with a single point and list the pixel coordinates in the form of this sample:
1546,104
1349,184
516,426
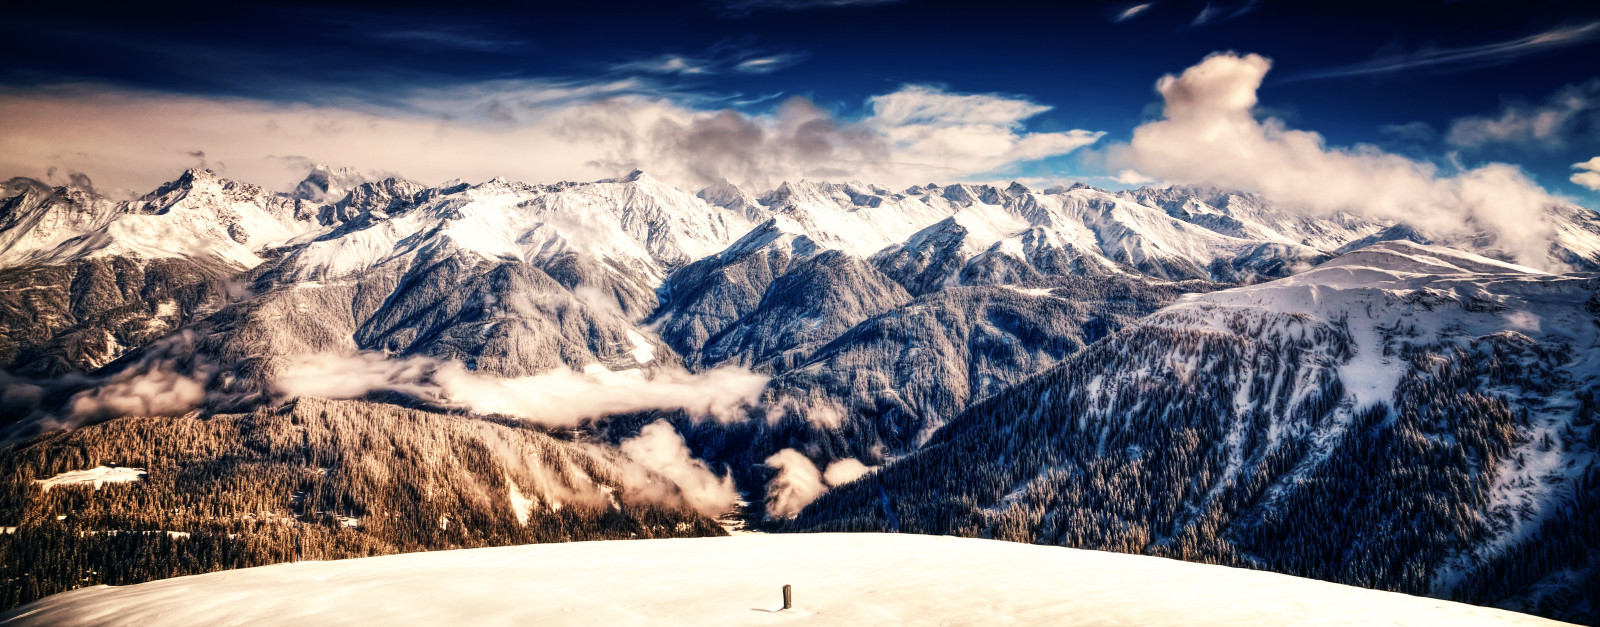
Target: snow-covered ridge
836,579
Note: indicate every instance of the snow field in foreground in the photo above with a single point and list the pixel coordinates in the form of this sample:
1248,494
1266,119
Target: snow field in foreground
837,579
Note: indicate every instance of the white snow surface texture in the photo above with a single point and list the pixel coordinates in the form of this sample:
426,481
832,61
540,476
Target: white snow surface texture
866,579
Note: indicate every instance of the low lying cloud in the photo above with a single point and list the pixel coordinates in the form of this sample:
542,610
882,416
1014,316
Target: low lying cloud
1588,174
844,471
660,449
1210,134
799,482
556,398
163,381
532,131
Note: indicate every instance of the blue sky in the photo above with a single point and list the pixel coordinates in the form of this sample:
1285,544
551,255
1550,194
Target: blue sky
1456,84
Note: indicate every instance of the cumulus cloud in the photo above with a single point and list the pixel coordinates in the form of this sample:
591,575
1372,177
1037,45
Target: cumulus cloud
1589,174
1210,134
522,130
1566,113
660,449
557,398
796,485
1466,56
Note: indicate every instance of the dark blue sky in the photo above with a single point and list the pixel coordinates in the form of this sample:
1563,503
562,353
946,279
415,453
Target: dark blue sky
1353,71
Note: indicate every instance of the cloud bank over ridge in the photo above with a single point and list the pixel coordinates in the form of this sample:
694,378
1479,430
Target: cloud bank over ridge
535,131
1210,133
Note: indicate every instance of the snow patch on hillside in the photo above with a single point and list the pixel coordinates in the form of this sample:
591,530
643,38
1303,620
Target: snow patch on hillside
97,476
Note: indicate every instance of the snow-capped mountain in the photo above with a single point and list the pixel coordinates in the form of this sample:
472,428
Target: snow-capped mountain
1405,417
880,321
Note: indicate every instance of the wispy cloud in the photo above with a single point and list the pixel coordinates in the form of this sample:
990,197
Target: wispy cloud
768,63
1124,14
667,64
1213,12
458,38
722,58
745,7
1466,56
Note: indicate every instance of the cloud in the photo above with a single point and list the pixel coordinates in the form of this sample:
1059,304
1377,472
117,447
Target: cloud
1589,175
799,482
734,8
915,134
522,130
1130,12
461,38
1213,12
557,398
718,59
796,485
1466,56
1548,125
668,64
844,471
1416,131
768,63
1132,177
661,450
1209,134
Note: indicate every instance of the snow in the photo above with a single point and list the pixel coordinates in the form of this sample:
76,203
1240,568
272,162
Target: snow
836,579
97,476
643,352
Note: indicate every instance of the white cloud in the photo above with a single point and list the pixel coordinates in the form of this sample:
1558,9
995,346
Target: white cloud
1132,177
1131,12
666,64
767,63
660,449
844,471
1589,175
798,484
522,130
557,398
1497,52
1209,134
1547,125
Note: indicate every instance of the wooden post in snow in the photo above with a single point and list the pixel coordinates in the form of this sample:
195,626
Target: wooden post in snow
788,600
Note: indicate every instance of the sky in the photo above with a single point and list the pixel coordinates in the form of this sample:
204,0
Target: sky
760,91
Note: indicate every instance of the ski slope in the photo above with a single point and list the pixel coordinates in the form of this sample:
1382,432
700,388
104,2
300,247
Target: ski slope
837,579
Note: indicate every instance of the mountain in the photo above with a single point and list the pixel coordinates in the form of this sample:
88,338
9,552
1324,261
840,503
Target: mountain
84,280
761,348
834,578
1404,417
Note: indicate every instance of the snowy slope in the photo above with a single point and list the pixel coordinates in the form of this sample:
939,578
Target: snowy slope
836,579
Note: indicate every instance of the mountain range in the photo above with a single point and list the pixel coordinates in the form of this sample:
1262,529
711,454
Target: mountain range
366,366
